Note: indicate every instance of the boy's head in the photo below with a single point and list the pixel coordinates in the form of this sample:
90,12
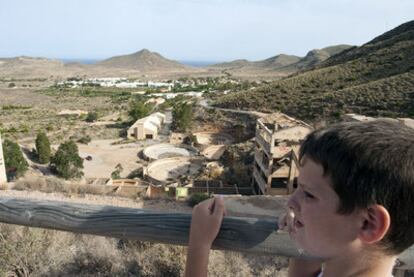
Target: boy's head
370,163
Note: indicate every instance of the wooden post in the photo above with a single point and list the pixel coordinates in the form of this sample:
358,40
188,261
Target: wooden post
252,235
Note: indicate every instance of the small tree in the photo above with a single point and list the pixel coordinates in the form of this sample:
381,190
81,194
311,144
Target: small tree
43,148
182,116
116,174
138,109
15,163
66,161
91,117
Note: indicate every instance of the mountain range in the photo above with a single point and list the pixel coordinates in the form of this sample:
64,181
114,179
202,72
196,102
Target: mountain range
152,63
375,79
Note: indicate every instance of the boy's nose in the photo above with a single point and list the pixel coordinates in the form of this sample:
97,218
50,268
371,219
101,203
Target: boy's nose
293,203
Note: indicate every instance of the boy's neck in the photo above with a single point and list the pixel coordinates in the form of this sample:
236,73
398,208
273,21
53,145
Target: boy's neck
362,265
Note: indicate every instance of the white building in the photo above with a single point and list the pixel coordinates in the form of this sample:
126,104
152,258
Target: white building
147,127
3,177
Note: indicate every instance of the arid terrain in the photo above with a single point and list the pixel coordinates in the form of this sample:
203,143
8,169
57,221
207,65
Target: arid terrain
212,111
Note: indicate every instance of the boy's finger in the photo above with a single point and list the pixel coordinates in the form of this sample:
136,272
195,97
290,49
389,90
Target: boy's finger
211,204
218,206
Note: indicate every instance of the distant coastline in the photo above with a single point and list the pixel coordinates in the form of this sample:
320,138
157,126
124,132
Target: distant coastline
82,61
199,63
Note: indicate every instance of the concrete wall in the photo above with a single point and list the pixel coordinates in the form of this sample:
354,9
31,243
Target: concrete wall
3,177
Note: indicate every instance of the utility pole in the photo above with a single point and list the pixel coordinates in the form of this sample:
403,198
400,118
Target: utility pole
3,177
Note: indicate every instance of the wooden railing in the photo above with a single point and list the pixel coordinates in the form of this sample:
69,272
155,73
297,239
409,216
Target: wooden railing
253,235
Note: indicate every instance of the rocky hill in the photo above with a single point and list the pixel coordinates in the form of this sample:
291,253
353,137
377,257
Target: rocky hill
316,56
375,79
277,62
143,60
282,64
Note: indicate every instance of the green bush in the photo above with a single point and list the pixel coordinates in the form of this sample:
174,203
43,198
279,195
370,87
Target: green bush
116,174
15,163
43,148
182,116
91,117
66,161
197,198
85,139
138,109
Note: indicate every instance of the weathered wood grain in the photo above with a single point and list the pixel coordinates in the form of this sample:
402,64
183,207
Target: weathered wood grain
237,233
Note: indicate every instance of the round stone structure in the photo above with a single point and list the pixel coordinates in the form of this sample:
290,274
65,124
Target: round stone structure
170,170
166,150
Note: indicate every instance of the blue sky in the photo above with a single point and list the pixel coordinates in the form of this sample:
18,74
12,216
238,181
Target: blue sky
199,30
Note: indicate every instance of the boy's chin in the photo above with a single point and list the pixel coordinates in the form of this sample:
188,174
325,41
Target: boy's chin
303,247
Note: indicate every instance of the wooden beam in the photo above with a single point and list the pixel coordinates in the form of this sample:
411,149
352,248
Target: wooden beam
242,234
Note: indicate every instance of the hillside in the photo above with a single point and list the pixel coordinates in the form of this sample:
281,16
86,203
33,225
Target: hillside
29,66
316,57
375,79
277,62
143,60
282,64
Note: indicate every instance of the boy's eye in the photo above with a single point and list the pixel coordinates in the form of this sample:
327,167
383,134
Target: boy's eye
308,195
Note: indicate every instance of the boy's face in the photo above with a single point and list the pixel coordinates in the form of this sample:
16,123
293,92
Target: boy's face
318,228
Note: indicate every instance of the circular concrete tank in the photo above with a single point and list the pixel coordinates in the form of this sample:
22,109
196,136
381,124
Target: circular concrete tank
172,169
166,150
212,138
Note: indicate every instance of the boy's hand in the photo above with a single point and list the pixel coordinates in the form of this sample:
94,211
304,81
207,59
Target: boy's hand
206,221
205,225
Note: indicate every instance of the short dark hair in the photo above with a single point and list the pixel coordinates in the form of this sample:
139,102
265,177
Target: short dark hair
370,163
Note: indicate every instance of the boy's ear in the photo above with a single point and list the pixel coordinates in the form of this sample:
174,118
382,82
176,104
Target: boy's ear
376,223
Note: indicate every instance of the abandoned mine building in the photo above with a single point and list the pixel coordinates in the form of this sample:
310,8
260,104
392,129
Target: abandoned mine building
147,127
278,137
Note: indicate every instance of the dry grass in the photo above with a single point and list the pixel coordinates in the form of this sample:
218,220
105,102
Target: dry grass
39,252
53,184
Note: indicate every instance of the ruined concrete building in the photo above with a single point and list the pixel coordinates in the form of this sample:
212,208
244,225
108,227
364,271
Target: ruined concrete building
278,138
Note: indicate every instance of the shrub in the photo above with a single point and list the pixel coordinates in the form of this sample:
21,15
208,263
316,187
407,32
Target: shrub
91,117
85,139
16,165
66,161
197,198
138,109
116,174
136,173
43,148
